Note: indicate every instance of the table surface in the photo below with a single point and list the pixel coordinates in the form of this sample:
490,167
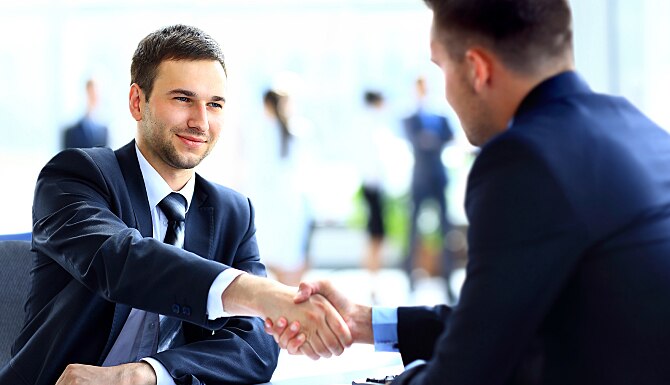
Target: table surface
356,363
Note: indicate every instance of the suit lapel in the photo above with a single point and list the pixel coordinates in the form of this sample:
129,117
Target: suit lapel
130,168
199,237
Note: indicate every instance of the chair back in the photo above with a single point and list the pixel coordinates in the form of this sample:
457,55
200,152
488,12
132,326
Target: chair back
15,264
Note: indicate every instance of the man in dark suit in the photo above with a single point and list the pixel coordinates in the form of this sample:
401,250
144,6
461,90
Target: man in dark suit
87,132
569,210
102,274
428,133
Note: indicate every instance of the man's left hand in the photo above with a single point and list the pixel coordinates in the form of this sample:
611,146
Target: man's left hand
138,373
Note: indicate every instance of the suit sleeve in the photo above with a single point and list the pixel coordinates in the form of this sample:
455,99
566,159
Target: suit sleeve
525,241
418,329
240,352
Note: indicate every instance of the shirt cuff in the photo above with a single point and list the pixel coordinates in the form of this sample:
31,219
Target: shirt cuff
163,377
220,284
385,328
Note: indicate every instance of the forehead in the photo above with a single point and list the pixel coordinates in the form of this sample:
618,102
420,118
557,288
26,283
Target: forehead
205,77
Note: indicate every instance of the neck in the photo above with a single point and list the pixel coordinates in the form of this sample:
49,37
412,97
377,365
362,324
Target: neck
176,178
520,85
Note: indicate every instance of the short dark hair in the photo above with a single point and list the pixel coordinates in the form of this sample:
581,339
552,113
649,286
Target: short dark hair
521,32
176,42
371,97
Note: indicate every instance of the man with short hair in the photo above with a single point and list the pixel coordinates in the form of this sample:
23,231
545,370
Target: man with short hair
569,210
123,236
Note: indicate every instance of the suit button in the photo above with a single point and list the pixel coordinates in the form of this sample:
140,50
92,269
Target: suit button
186,310
176,308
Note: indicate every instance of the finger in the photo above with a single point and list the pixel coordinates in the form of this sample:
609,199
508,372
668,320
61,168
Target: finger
305,290
275,330
320,346
330,340
336,334
340,330
307,350
268,328
288,334
280,326
296,343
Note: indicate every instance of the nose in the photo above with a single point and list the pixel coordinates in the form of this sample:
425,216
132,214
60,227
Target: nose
198,118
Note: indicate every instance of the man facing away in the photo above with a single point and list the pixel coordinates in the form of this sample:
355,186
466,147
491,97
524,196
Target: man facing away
569,210
123,237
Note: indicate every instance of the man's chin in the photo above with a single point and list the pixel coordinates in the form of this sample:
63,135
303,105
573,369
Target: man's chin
186,163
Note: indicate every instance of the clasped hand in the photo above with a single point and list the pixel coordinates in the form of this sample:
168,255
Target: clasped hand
295,337
323,332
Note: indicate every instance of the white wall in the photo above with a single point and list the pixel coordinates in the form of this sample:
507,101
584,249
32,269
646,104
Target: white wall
337,47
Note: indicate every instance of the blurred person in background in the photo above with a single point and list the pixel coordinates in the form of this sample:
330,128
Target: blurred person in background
568,205
87,132
428,133
282,216
371,130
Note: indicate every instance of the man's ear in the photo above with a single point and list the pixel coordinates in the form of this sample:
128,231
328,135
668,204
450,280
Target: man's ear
136,101
480,68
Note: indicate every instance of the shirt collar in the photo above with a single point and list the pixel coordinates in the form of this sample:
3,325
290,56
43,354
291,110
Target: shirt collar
157,188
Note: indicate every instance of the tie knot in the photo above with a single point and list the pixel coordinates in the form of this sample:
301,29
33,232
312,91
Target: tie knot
174,207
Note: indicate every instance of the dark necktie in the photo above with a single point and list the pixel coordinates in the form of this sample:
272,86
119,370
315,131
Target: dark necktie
174,208
164,337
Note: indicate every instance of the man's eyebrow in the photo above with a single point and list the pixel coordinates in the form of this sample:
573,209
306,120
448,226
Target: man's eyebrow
180,91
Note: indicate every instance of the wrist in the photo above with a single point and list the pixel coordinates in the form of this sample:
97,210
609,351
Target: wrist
140,373
360,324
249,295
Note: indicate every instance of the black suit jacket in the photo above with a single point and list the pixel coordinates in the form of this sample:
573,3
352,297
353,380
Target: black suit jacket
569,237
96,260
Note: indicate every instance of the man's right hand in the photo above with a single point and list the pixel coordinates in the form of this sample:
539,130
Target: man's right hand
324,332
137,373
291,337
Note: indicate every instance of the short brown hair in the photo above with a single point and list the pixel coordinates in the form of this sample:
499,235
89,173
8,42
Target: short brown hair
521,32
176,42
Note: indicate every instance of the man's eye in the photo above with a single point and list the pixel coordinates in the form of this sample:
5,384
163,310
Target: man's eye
216,105
181,98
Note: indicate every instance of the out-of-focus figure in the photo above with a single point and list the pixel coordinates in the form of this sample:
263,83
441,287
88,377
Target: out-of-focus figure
371,129
87,132
428,134
282,219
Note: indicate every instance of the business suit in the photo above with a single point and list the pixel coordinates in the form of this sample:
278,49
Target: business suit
85,133
96,260
569,240
428,134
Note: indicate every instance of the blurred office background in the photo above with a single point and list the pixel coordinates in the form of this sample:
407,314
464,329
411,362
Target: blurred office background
325,54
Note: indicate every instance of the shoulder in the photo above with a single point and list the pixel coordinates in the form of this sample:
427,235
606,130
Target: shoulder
218,194
76,158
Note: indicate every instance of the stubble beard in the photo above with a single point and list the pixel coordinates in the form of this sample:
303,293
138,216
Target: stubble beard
160,143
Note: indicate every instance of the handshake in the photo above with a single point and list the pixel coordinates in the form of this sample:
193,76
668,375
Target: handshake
318,321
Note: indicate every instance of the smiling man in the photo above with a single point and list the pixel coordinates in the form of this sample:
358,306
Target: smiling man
146,273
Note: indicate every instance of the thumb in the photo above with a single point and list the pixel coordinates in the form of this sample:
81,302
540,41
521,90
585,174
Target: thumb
305,290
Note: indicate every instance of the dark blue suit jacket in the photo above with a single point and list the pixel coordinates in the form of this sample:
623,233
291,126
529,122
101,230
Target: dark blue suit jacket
85,133
569,238
428,134
96,259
